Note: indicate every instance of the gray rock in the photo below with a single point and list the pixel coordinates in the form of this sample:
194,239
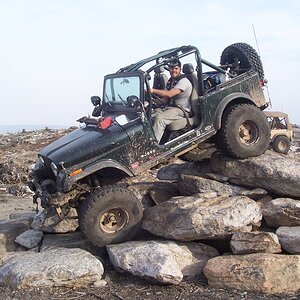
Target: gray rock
263,272
282,212
8,233
254,242
57,267
264,200
29,238
149,192
49,221
163,191
289,238
270,171
172,170
161,261
255,194
196,217
190,185
70,240
217,177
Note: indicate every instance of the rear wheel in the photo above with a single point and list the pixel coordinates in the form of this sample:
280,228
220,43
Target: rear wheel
242,57
200,153
245,131
110,215
281,144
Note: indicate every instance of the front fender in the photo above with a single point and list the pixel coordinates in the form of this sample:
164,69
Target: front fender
67,180
235,98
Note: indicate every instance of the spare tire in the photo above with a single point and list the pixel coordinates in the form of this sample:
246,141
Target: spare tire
242,58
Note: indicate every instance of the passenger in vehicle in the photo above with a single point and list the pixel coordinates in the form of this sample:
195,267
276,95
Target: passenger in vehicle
176,98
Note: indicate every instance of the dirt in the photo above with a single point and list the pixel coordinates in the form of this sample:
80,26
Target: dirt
126,286
18,152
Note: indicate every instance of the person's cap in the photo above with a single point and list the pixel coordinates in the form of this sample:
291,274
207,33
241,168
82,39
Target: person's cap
174,63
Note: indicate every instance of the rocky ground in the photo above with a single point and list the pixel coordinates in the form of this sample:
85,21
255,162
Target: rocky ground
17,154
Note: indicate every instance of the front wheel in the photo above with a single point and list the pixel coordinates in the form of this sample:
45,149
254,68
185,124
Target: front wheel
245,131
281,144
110,215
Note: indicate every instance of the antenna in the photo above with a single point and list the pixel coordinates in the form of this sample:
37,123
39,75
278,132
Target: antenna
266,85
255,39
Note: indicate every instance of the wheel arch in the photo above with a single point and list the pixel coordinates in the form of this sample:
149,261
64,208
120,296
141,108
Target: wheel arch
228,101
273,137
97,170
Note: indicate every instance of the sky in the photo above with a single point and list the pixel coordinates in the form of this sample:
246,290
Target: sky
55,53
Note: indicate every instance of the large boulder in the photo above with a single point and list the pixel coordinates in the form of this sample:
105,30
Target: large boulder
289,238
191,184
70,240
56,267
254,242
271,171
263,272
197,217
161,261
282,212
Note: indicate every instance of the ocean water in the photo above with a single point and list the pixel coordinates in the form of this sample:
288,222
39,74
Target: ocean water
19,128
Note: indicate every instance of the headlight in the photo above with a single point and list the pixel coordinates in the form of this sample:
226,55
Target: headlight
54,169
39,164
39,170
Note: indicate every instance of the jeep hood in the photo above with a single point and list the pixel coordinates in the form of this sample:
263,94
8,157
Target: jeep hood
84,144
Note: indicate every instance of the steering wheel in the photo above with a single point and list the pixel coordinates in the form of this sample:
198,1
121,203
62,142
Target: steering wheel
163,105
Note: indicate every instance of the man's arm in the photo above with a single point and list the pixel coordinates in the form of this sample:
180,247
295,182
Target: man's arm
166,93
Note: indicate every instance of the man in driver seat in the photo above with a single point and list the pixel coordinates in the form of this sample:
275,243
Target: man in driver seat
176,97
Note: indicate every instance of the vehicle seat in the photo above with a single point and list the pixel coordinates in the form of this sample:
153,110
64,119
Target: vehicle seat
160,79
194,120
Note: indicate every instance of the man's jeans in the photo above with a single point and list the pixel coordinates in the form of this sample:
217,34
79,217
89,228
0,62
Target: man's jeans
164,118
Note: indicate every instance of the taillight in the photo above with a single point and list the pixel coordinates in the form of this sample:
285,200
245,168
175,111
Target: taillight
263,82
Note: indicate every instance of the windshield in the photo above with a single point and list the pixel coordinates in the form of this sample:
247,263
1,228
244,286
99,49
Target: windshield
117,89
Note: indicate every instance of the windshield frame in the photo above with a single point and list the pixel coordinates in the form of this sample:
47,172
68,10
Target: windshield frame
122,75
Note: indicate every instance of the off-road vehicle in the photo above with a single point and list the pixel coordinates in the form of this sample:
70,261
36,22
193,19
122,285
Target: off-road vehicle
281,131
83,168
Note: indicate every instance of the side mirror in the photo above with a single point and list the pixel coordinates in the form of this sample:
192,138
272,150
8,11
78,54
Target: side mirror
133,101
96,100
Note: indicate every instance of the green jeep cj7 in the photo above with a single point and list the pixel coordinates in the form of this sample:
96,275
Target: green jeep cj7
83,168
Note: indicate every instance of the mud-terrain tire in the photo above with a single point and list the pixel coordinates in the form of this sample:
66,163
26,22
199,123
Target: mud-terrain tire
245,131
246,55
200,153
109,215
281,144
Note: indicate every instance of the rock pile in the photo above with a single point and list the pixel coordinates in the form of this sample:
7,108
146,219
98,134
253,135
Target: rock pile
235,221
19,152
